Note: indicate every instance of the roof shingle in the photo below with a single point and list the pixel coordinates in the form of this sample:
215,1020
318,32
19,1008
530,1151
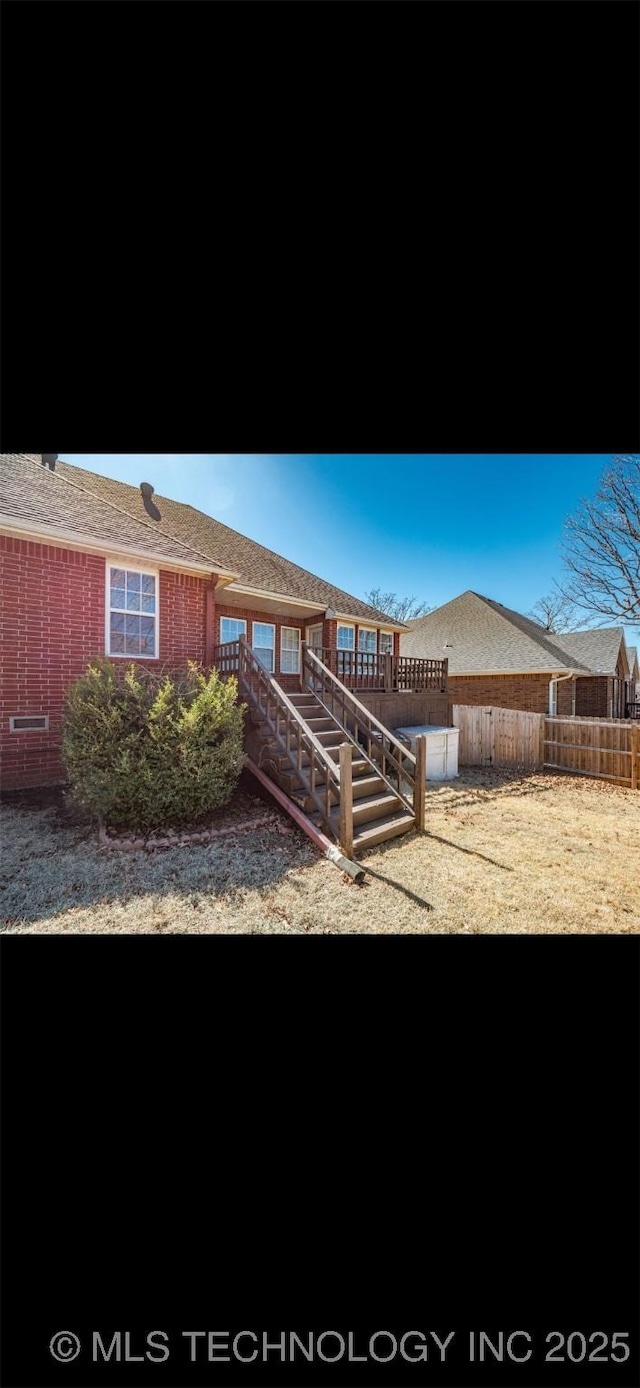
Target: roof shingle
32,494
482,636
257,566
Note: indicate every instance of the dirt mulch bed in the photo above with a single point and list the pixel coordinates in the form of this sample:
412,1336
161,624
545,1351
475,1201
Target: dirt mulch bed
503,853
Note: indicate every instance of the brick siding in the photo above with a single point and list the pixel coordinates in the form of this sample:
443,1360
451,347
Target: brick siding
52,620
530,693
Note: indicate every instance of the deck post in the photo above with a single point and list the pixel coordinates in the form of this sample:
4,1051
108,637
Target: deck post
388,674
346,800
420,789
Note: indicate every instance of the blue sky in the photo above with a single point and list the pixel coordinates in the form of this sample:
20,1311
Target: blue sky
426,524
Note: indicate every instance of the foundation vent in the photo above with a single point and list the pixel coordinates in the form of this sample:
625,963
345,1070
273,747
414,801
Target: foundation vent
29,723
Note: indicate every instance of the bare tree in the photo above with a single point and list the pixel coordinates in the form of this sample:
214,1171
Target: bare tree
398,609
601,547
555,612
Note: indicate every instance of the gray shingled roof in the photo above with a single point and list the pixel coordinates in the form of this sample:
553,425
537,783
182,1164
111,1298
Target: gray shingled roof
258,567
31,493
485,636
598,649
632,653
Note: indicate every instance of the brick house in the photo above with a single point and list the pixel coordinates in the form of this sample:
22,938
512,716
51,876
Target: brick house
499,657
91,566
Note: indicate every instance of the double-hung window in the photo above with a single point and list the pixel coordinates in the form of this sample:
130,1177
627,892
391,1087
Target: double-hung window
264,643
367,643
385,643
345,641
132,612
345,638
290,650
231,629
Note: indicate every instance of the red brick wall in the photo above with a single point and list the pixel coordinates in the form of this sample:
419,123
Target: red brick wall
527,692
52,620
531,693
592,697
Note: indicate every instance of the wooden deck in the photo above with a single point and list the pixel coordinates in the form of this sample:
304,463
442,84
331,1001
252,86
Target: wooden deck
387,674
382,674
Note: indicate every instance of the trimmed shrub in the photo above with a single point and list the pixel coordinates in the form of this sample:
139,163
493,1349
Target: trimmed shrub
146,750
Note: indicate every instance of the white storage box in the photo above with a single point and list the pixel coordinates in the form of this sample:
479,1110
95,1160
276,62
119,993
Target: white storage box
442,749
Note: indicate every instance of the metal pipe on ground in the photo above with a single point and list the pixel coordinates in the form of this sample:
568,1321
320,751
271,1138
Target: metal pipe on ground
329,849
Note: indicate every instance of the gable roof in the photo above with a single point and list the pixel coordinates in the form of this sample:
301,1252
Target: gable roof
484,637
255,566
35,499
598,648
632,653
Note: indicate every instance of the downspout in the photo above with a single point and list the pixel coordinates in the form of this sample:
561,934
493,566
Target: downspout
556,679
209,620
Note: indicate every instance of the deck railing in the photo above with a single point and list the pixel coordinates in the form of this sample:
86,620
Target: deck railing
361,669
384,673
633,710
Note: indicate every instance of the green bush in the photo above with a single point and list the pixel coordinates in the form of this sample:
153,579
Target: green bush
146,750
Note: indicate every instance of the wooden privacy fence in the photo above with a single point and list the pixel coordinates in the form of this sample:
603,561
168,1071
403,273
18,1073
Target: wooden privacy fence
606,748
499,736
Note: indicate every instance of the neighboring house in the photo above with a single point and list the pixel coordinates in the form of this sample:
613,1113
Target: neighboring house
499,657
92,566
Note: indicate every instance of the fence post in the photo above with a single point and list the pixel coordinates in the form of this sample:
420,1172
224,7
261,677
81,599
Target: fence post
635,755
420,789
346,800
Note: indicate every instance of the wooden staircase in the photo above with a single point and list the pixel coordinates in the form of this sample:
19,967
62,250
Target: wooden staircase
352,778
378,812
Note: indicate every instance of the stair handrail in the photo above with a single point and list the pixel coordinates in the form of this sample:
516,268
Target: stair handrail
281,697
402,759
319,759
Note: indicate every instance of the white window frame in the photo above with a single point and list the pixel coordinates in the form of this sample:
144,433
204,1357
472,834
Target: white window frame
553,698
132,569
346,626
380,635
241,621
315,626
290,650
265,648
371,630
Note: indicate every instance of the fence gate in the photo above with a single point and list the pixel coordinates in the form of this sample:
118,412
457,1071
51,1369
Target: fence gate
476,745
499,736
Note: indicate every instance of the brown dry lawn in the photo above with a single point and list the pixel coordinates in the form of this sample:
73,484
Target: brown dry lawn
504,853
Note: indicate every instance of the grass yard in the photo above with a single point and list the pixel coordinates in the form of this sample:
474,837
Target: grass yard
504,853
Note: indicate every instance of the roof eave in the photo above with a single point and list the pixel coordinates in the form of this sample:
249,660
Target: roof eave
46,534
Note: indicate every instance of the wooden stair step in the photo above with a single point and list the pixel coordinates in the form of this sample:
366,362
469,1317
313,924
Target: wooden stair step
368,835
359,767
372,807
331,736
363,786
